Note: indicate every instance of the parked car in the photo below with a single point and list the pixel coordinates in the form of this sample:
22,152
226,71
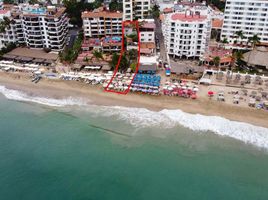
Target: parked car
168,72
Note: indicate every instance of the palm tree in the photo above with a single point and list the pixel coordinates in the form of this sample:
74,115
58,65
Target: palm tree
240,35
225,41
237,57
98,54
254,40
216,61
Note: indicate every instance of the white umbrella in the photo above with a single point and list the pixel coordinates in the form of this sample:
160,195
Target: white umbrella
196,89
110,86
165,87
170,88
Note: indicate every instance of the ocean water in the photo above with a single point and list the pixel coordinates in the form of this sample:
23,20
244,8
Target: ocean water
51,149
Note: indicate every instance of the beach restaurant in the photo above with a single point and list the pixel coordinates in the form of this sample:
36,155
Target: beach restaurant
31,56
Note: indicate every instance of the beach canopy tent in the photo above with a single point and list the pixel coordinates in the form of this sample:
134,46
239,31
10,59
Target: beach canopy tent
148,68
205,81
39,60
48,62
106,67
257,57
9,57
23,59
93,67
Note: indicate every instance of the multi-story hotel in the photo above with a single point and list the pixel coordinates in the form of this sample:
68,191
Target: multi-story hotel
186,34
101,23
37,27
250,17
135,9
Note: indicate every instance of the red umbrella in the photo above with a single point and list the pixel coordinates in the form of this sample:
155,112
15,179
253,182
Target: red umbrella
193,96
210,93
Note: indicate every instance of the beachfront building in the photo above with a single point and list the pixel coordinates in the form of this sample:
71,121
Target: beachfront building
37,27
135,9
7,32
186,33
147,36
101,22
250,17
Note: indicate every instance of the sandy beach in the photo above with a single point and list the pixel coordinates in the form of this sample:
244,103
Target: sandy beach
60,89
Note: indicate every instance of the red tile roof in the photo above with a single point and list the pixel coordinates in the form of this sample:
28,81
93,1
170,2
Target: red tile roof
168,10
217,23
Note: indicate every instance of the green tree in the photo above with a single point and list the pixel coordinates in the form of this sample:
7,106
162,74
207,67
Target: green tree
123,63
240,35
237,57
115,6
98,54
254,40
155,11
225,41
216,61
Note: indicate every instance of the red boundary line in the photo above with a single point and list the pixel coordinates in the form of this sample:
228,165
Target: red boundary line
119,60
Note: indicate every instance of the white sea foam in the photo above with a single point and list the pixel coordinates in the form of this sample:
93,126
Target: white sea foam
21,96
141,117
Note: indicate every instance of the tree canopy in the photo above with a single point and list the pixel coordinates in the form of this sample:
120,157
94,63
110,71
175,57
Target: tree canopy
74,9
115,6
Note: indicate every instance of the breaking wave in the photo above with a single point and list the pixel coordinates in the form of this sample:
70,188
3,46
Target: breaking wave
21,96
141,117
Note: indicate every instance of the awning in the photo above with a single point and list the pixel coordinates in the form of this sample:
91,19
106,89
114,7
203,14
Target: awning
7,56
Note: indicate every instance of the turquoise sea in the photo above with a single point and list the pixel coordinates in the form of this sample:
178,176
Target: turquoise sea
74,153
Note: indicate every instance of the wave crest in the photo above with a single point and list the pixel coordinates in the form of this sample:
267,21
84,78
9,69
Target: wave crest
21,96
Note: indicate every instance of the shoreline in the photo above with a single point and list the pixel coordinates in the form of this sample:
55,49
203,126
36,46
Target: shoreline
59,89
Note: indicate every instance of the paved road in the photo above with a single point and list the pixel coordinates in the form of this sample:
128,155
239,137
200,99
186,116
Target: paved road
72,34
160,40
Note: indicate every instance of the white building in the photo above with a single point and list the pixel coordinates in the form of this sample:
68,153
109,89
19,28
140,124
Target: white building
147,30
186,34
101,22
37,27
136,9
251,17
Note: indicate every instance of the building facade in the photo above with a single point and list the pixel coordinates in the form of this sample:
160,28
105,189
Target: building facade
250,17
37,27
136,9
101,23
186,34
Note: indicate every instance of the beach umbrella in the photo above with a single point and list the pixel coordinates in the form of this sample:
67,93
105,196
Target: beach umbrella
196,89
190,88
110,86
193,96
184,87
177,84
125,87
165,87
170,88
210,93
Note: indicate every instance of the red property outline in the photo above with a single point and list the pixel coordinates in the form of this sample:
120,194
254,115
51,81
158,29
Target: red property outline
121,53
